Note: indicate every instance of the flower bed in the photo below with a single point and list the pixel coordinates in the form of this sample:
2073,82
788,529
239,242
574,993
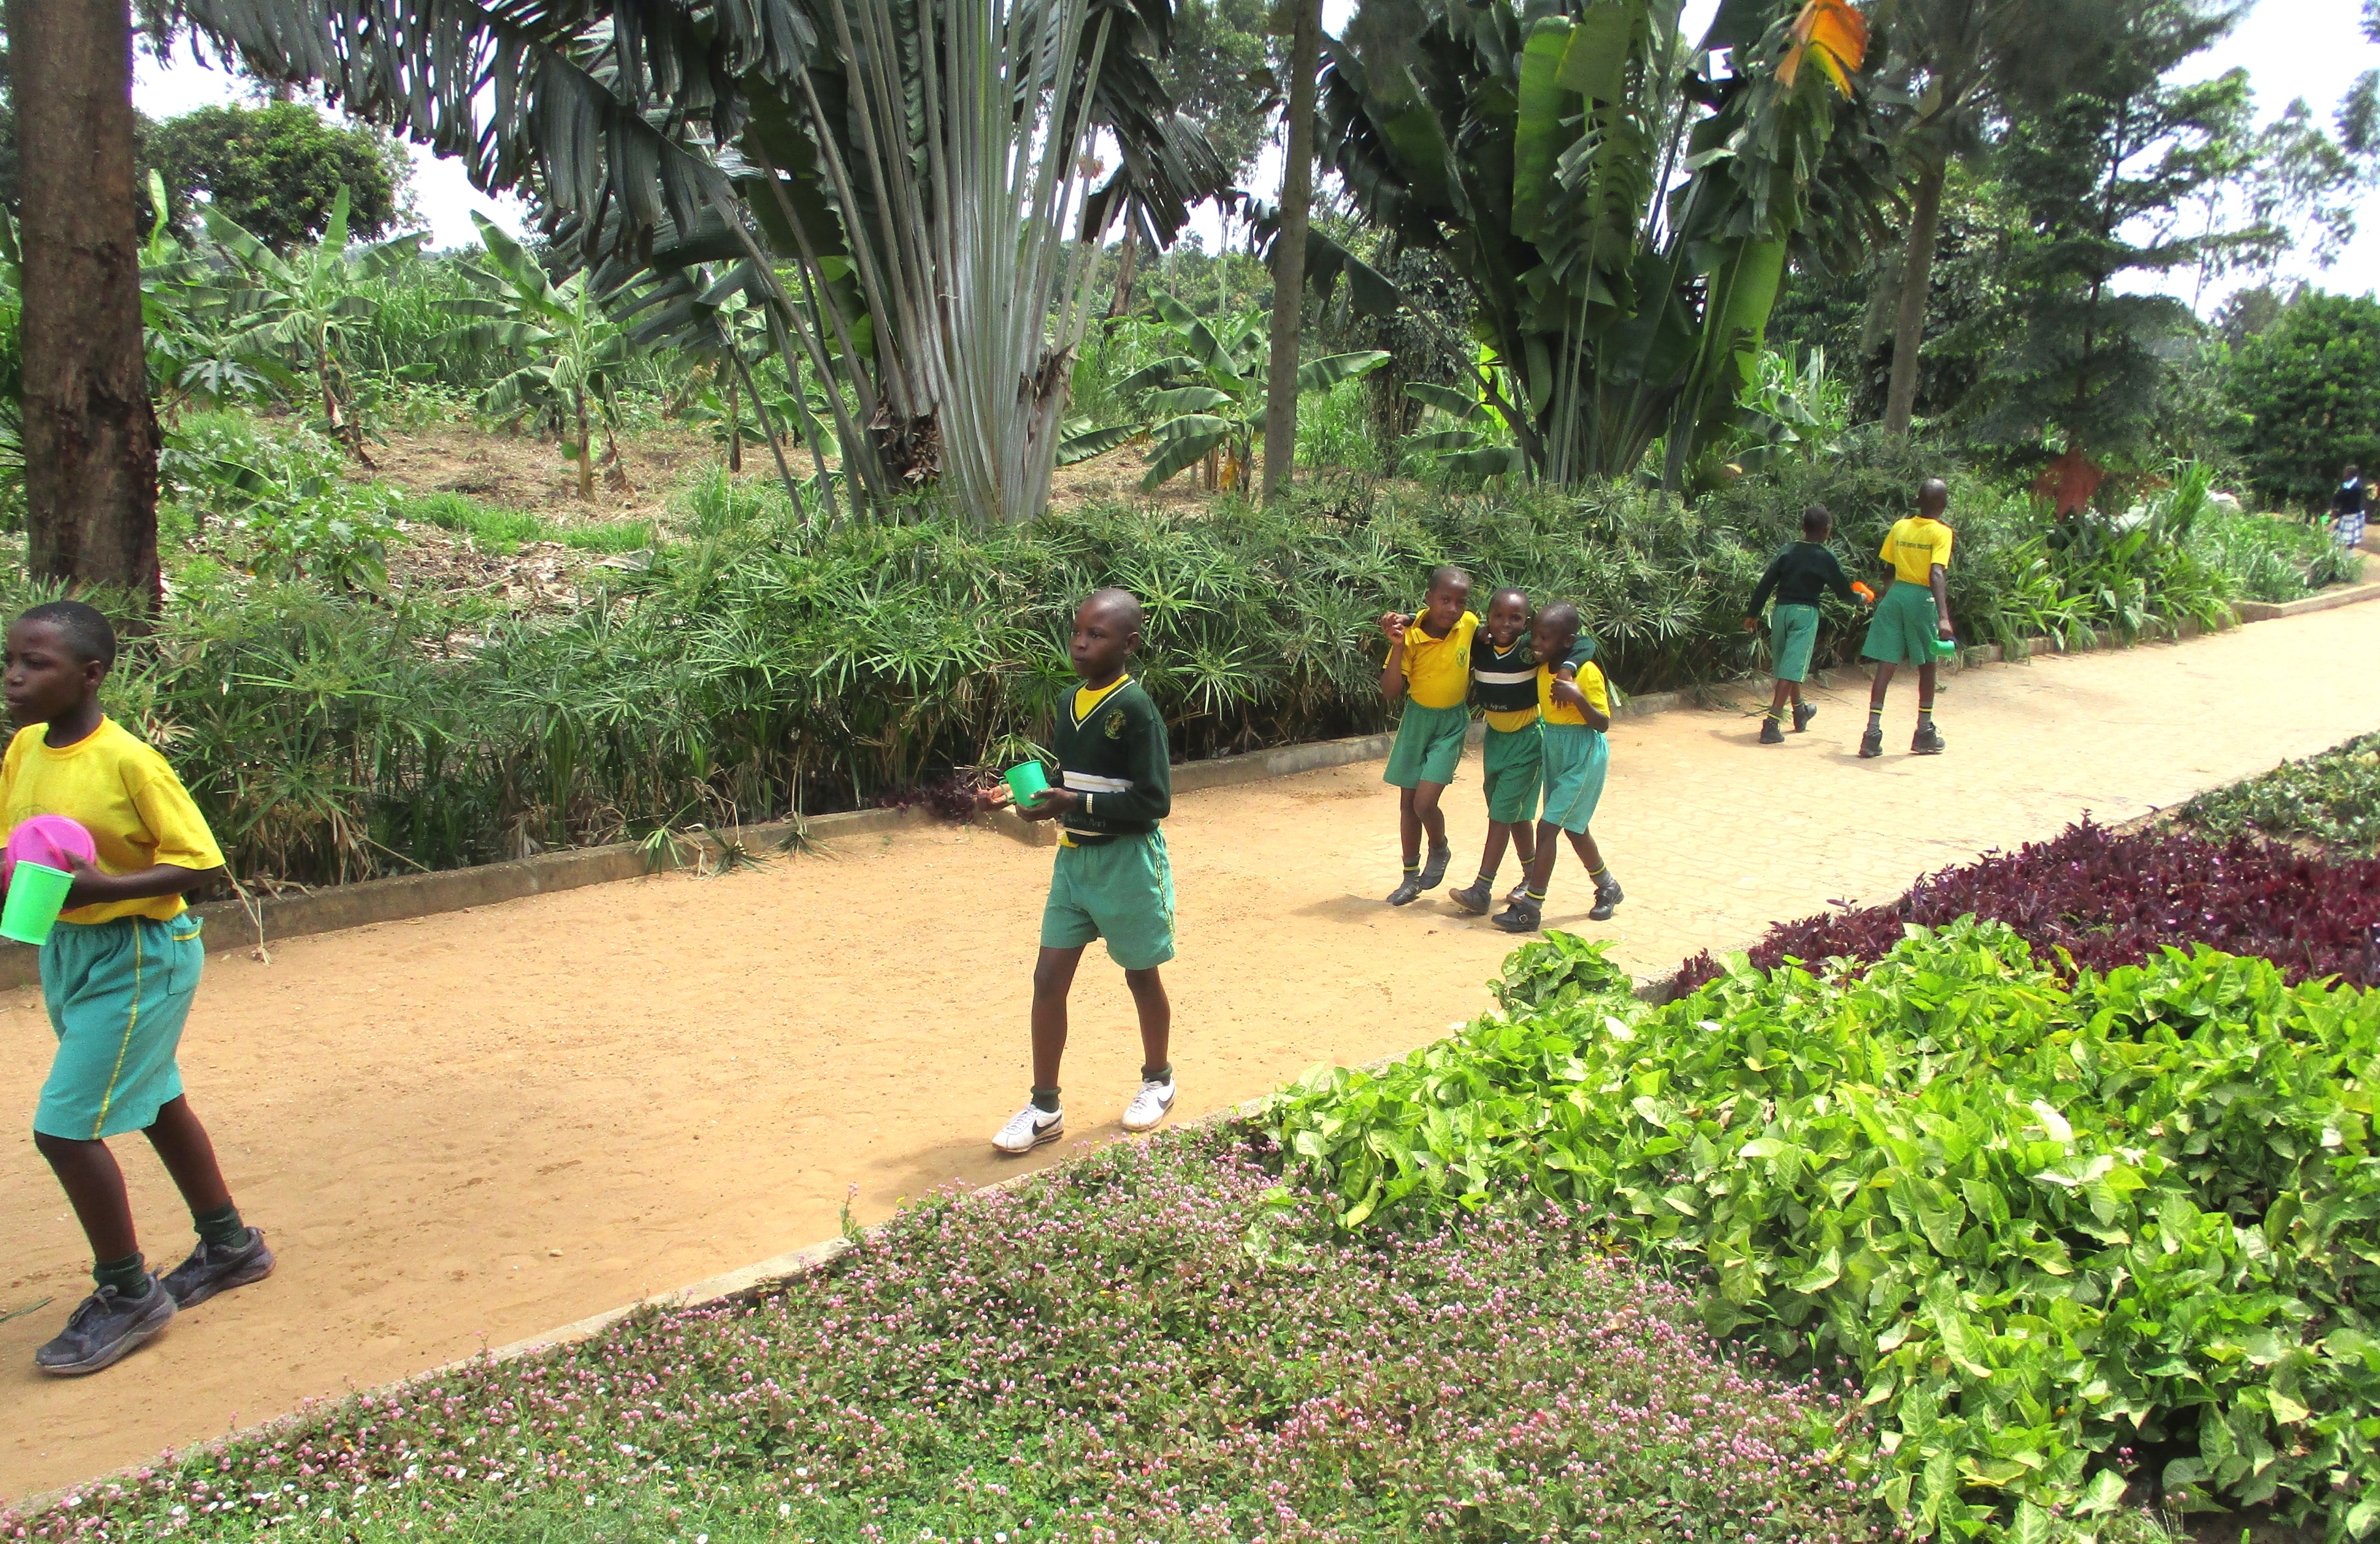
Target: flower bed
2332,800
2076,1237
1156,1341
2101,898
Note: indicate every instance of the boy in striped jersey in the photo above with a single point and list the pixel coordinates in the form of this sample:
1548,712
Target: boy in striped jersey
1504,685
1111,879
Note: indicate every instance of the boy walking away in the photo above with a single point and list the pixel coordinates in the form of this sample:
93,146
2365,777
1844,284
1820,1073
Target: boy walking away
1110,878
1512,755
1575,715
118,975
1799,576
2347,510
1911,615
1429,669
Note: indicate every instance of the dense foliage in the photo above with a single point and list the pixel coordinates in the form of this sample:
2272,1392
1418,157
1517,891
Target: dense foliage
1102,1356
2099,899
2073,1234
2332,799
761,663
2305,387
275,170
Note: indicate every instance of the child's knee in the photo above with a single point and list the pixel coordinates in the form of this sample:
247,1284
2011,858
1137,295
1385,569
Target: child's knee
1052,977
1142,982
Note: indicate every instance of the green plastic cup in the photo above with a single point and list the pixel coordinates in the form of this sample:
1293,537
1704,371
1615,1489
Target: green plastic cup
1945,647
1027,781
36,894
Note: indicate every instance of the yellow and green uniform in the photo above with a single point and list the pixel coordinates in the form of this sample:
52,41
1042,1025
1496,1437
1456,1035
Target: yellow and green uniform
1905,625
117,979
1437,705
1575,755
1111,878
1511,753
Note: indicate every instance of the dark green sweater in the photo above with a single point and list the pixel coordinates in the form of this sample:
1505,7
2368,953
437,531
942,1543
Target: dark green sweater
1117,759
1800,576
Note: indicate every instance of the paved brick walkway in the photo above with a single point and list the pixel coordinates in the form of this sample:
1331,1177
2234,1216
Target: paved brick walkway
469,1128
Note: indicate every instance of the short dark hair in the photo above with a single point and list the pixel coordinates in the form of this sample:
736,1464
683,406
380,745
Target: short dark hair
1562,616
1816,518
2351,472
1123,602
1515,591
1446,573
87,630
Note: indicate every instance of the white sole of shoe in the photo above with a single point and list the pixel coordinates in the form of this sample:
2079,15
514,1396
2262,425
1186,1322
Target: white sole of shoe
1150,1126
1039,1138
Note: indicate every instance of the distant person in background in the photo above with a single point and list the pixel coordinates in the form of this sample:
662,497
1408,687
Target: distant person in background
2347,510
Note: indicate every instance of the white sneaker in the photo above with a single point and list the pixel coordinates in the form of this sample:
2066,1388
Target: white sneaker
1149,1106
1029,1128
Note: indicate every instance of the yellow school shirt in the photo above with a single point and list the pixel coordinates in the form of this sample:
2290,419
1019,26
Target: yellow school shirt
1589,683
1914,546
1438,670
123,794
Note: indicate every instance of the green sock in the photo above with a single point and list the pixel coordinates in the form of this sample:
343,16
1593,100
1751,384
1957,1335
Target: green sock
1924,713
1775,712
1600,876
1875,719
1537,897
221,1227
1046,1100
130,1276
1487,879
1412,868
1158,1075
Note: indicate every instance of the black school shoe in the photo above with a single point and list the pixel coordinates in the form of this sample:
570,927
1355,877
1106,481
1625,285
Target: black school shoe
1475,898
215,1267
1927,741
1522,917
1607,897
1803,714
1407,892
105,1328
1771,732
1871,745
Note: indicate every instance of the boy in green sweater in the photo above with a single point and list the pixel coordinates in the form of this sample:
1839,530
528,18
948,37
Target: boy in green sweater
1799,576
1111,879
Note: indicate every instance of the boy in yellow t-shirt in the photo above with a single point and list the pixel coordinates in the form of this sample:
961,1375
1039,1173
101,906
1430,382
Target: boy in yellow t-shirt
1911,614
1430,670
1574,714
118,975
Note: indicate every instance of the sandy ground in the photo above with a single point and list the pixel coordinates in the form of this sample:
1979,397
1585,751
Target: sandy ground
466,1129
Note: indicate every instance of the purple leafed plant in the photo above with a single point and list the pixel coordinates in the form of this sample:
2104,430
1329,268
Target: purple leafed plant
2109,899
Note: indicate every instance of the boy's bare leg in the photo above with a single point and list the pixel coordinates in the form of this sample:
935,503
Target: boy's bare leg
189,1156
1053,977
1928,741
95,1188
1156,1020
1884,680
1582,843
1491,857
1431,818
1541,862
1524,843
1787,691
1872,742
1409,827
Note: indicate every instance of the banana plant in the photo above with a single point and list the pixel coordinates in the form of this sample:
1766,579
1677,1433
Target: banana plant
1466,447
572,351
305,306
1207,403
1623,209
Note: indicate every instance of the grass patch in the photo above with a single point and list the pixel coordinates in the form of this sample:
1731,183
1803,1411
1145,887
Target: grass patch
2333,799
1154,1342
611,537
491,530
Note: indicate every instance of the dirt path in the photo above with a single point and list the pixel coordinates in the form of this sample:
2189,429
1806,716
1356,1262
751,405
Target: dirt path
469,1128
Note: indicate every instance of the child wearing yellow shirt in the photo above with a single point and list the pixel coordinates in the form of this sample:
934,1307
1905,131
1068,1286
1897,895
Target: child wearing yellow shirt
1912,615
118,975
1430,670
1573,714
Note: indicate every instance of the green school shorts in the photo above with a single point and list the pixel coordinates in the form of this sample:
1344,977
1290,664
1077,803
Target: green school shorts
1121,890
1902,631
1792,633
1576,761
1510,762
1429,745
118,994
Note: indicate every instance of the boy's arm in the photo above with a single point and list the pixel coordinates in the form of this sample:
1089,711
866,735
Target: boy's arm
1392,674
92,887
1581,651
1837,581
1566,691
1767,585
1939,578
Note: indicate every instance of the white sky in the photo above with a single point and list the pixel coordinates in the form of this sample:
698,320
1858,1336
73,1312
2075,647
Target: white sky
2291,48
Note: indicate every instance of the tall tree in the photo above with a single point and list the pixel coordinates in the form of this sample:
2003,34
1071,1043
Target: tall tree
90,433
1289,251
2102,175
276,170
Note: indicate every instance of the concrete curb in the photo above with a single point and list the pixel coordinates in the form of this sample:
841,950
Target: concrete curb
2329,600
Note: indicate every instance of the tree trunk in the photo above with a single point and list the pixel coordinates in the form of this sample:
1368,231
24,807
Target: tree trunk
1127,259
91,431
1908,320
735,427
1289,250
586,453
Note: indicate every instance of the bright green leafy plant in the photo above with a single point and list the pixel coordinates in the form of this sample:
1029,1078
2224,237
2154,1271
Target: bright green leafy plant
2072,1238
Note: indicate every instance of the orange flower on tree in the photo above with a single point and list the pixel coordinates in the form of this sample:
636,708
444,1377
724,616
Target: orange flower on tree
1836,34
